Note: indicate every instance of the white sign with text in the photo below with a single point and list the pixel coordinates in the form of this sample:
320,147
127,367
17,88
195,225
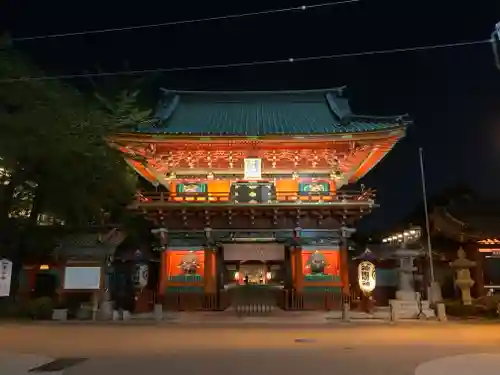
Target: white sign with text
5,277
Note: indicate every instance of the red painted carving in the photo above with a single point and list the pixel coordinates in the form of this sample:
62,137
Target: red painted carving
163,158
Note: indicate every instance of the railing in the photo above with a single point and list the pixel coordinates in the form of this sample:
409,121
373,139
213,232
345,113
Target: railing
189,301
292,300
264,302
254,300
195,302
282,197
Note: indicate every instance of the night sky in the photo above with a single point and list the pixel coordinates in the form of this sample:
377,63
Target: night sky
452,94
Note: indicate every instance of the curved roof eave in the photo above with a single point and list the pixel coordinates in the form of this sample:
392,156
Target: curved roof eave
255,92
166,137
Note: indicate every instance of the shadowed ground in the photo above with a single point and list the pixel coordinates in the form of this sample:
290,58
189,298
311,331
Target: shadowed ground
326,349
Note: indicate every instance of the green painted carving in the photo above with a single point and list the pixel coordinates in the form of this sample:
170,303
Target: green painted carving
186,278
321,278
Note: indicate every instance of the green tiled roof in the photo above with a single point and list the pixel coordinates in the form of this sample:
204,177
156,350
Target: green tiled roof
258,113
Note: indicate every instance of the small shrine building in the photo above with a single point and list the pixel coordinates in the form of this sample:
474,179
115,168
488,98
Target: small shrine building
473,224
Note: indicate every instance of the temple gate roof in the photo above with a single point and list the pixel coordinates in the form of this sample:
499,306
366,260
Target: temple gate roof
474,219
260,113
89,246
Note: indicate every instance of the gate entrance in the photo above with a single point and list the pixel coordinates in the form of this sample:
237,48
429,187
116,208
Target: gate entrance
253,273
255,276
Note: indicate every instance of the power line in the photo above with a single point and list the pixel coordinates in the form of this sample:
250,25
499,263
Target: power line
245,64
183,22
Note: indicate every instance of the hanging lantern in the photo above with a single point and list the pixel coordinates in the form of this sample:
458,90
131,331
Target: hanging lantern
366,277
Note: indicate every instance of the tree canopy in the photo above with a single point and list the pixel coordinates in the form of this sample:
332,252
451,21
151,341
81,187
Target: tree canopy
53,151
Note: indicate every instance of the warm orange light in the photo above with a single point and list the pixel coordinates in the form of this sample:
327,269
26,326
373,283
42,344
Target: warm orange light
44,267
489,241
367,277
497,250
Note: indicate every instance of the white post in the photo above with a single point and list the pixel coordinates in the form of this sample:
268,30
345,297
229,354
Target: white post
426,210
434,289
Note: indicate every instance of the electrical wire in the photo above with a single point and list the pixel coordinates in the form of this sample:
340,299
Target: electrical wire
183,22
244,64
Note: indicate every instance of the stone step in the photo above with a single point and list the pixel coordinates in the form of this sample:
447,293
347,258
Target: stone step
409,304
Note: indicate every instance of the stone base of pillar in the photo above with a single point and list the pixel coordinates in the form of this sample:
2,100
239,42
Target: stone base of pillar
121,315
410,309
406,295
106,310
441,312
117,315
126,315
158,312
434,293
346,312
60,314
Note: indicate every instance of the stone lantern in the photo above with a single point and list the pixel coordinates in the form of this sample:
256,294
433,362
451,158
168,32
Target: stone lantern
408,303
463,280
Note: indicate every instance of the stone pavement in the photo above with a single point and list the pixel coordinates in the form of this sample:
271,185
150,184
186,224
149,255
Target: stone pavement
408,349
287,318
466,364
276,318
20,364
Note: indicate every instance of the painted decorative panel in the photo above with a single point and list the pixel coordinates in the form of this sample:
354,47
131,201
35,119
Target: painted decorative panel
252,192
191,188
321,265
314,188
186,265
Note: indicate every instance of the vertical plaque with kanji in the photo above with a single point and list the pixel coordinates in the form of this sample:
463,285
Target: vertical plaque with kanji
253,169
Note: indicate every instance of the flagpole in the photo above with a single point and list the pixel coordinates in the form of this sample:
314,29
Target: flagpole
426,210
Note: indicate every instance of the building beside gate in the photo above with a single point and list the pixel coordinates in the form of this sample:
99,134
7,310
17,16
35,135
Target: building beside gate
252,188
472,224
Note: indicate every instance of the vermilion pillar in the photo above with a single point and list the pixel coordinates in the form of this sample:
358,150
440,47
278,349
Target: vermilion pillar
209,272
299,269
164,259
164,266
344,263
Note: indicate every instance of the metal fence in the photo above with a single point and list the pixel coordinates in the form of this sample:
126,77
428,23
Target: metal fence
312,301
194,302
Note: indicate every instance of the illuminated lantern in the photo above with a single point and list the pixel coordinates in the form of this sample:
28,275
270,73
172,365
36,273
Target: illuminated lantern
366,277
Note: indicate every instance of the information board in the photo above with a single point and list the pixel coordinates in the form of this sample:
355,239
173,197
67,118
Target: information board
82,278
5,277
